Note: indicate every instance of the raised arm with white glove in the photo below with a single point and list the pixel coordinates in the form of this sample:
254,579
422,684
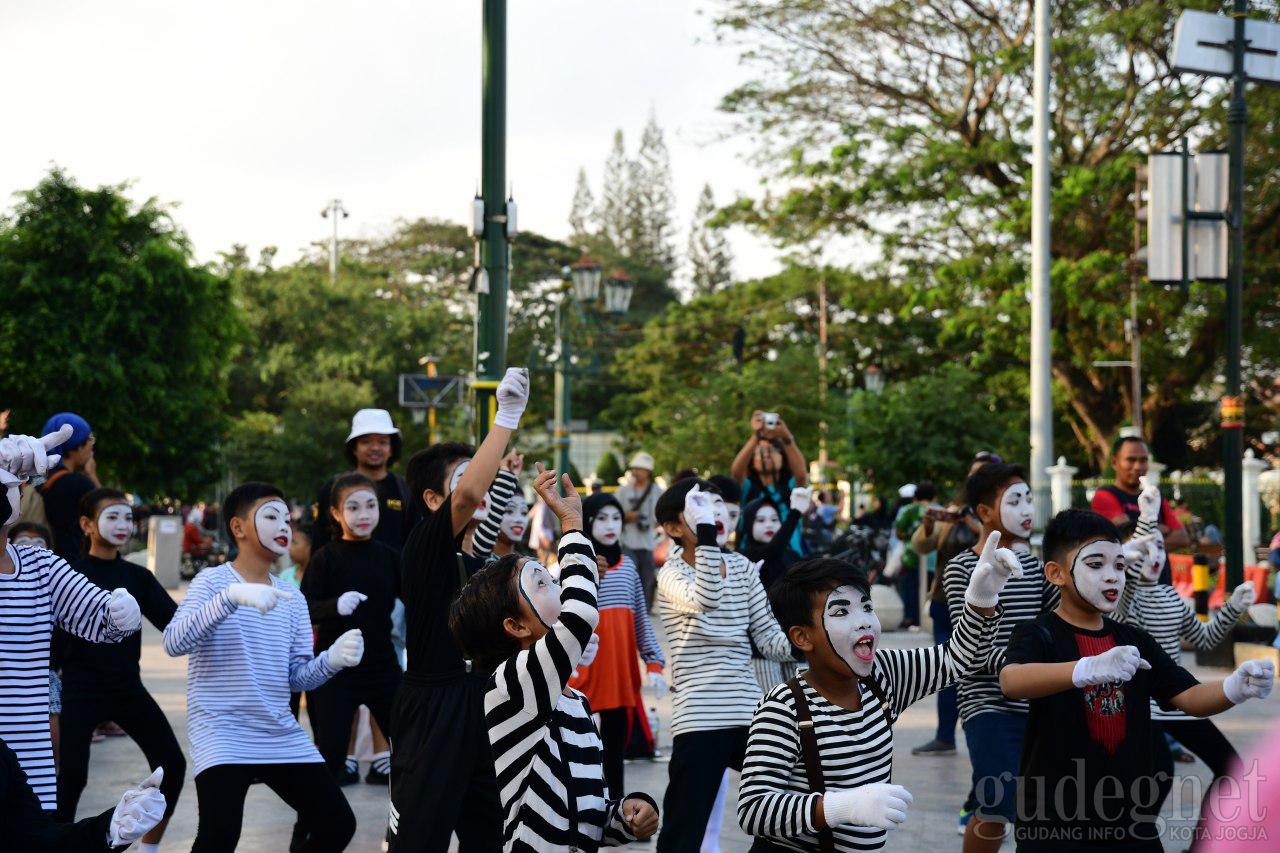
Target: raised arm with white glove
1119,664
513,396
25,456
879,804
698,509
1243,597
1148,501
801,499
138,811
1253,680
348,650
995,566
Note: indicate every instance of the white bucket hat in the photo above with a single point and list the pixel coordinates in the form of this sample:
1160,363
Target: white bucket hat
641,460
372,422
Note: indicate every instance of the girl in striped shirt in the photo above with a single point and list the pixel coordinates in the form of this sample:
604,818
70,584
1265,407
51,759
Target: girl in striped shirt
514,620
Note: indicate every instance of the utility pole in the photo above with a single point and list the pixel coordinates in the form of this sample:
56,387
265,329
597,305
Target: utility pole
491,311
822,379
563,401
334,211
1135,282
1041,375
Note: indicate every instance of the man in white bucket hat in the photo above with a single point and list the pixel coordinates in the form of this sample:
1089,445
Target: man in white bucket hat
638,495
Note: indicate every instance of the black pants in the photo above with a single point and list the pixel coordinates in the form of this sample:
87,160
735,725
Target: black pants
648,571
309,789
332,705
140,717
614,728
442,778
698,762
1200,737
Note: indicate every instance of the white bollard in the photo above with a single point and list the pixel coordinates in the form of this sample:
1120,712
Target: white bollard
164,549
1250,518
1060,484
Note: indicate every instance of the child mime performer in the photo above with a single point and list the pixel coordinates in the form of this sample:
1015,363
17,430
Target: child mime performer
612,681
515,621
766,542
818,771
1090,681
249,640
40,591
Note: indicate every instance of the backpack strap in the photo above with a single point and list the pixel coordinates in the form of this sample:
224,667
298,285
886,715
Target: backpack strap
809,755
43,488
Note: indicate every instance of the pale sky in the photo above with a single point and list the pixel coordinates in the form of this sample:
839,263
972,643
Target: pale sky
250,116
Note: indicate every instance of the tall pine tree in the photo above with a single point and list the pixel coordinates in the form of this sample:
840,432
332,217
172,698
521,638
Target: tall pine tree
710,260
613,197
653,201
582,215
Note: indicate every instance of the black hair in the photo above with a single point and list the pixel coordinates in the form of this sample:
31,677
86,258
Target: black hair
90,501
926,491
777,445
343,482
477,614
685,474
349,450
427,468
1121,440
241,499
32,528
729,488
671,502
791,596
1071,528
985,484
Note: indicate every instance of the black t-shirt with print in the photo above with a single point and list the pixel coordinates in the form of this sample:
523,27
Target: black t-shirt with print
1087,763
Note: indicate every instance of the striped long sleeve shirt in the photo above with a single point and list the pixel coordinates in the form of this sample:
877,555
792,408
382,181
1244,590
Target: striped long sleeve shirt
42,591
500,493
1021,600
242,665
855,747
546,751
711,622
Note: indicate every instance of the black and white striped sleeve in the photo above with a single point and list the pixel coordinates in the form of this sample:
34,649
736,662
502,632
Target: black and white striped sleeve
79,606
765,631
916,673
701,594
616,830
198,616
500,494
766,805
1206,635
1125,610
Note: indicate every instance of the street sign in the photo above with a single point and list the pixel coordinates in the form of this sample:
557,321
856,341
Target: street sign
1202,44
1186,229
420,391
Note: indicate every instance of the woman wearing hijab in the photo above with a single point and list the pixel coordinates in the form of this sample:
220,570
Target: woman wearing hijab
766,542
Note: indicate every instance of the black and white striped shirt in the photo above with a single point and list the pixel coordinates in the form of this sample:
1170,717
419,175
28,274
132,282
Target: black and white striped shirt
546,751
1021,600
856,747
42,590
710,624
500,493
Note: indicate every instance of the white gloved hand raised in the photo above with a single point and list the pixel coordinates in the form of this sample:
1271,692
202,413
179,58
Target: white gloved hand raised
995,566
347,650
1140,552
124,612
25,456
801,499
1243,597
138,811
513,396
589,653
349,601
879,804
658,682
1119,664
1253,680
259,596
1148,501
698,508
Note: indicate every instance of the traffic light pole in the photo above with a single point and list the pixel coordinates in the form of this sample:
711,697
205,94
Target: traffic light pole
491,313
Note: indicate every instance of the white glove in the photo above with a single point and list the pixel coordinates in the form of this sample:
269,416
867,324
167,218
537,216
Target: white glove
589,653
513,396
25,456
995,566
347,650
801,497
1140,552
124,612
259,596
138,811
1243,597
698,509
878,804
756,567
1119,664
1148,501
658,682
349,601
1253,680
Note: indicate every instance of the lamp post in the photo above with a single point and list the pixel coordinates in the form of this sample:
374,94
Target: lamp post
1041,213
335,211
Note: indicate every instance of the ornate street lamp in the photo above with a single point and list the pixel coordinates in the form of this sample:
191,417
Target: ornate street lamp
586,279
617,293
873,379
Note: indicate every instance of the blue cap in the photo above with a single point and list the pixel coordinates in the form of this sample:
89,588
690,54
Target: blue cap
80,430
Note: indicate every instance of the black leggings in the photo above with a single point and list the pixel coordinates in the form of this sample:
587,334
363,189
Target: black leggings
1203,739
141,718
614,729
308,789
332,705
698,762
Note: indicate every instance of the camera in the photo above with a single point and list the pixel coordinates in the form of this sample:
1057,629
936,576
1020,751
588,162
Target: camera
770,420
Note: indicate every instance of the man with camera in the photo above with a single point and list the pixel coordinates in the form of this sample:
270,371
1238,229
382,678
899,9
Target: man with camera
638,496
770,465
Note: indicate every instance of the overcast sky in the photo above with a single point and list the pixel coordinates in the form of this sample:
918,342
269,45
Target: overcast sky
249,116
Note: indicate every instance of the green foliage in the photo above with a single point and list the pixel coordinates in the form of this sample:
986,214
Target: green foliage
106,314
609,469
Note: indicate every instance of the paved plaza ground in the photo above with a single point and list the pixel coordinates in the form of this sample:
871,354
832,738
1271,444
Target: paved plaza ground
938,784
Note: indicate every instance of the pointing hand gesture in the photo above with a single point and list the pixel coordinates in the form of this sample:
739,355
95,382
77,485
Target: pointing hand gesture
25,456
995,566
1149,502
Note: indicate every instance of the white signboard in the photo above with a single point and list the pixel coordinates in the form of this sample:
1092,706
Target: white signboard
1202,45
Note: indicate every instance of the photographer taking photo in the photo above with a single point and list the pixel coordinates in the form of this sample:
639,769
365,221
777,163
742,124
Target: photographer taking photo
638,496
771,465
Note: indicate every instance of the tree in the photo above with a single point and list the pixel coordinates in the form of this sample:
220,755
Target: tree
652,201
106,314
583,213
710,261
614,217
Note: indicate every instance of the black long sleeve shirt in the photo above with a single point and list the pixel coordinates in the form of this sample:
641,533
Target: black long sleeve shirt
368,567
28,828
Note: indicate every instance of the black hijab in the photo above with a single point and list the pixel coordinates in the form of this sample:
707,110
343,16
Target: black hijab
591,507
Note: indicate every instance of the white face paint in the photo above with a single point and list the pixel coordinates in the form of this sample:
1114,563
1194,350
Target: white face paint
271,521
31,541
722,519
482,511
766,525
606,527
1152,572
115,524
1098,572
1016,510
541,591
734,512
515,521
360,512
852,628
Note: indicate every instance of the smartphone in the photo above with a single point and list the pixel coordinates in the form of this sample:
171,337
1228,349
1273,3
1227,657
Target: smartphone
770,420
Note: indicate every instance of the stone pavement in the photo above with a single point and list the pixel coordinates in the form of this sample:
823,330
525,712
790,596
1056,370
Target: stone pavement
938,784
